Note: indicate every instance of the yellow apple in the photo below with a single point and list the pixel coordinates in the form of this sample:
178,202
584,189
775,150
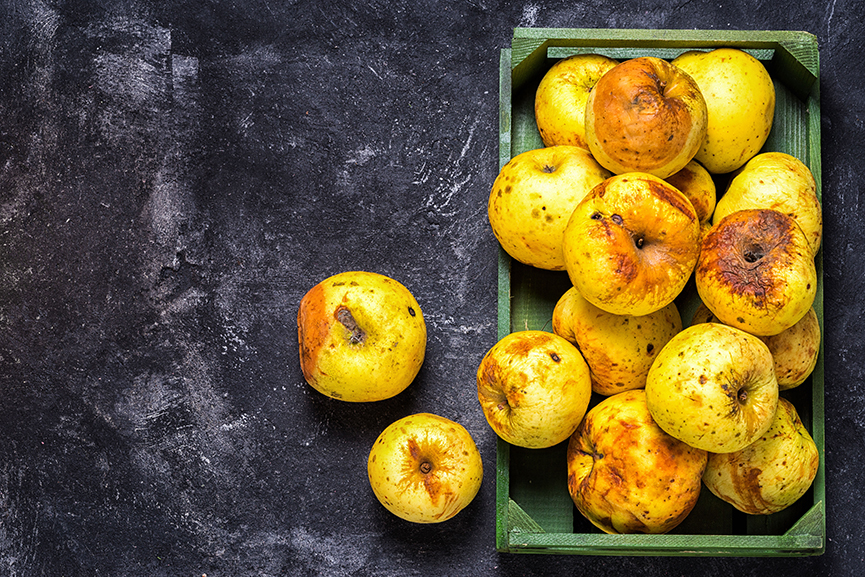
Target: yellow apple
645,115
713,387
794,350
631,244
781,182
771,473
697,185
534,388
533,197
560,100
425,468
756,271
362,336
740,99
619,349
626,475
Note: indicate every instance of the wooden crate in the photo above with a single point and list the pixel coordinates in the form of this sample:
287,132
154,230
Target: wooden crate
534,512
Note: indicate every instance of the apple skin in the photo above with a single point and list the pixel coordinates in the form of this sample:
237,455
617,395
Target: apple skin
740,99
532,199
362,337
534,388
713,387
425,468
781,182
794,350
756,271
695,182
619,349
631,244
645,115
771,473
560,100
626,475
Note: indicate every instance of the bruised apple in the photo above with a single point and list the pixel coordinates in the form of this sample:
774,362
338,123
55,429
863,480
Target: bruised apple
697,185
631,244
794,350
756,271
362,337
645,115
780,182
619,349
425,468
560,100
534,388
740,100
533,197
714,387
626,475
771,473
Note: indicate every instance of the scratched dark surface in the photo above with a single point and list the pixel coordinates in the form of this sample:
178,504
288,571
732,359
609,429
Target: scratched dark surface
174,176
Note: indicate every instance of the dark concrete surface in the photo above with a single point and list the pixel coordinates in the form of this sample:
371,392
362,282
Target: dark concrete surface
175,175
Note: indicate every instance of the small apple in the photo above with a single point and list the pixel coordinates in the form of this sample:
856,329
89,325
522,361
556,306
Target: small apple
533,197
626,475
425,468
534,388
771,473
697,185
362,337
740,100
781,182
619,349
714,387
756,271
645,115
631,244
560,100
794,350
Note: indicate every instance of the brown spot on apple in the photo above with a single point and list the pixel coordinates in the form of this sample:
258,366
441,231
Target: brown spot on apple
357,336
737,252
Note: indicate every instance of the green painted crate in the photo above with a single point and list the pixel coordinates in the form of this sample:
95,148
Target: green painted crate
534,512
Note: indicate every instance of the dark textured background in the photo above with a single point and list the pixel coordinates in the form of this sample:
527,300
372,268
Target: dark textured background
175,175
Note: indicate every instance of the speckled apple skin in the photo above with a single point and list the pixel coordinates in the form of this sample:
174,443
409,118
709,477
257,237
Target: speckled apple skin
425,468
362,337
626,475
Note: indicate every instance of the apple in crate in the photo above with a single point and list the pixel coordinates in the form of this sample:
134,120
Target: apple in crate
714,387
740,100
560,100
794,350
533,197
780,182
771,473
425,468
756,271
645,115
626,475
631,244
534,388
619,349
695,182
362,337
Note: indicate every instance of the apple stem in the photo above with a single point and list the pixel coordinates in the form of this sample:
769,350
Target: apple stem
425,467
344,316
